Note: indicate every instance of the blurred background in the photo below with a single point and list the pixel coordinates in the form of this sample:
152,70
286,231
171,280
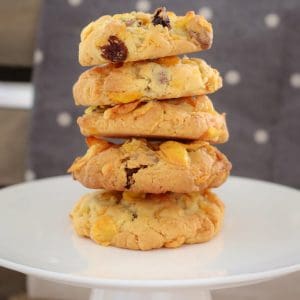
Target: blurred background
256,48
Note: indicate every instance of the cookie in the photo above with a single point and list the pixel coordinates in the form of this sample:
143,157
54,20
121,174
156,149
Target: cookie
138,36
164,78
148,221
183,118
141,166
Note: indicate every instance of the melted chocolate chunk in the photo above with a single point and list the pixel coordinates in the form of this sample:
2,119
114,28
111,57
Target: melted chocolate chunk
160,17
115,51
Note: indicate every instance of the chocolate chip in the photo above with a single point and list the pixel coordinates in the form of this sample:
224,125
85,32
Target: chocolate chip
129,175
203,38
134,216
160,17
115,51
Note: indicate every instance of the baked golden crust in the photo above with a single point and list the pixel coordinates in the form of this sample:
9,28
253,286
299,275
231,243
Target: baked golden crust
164,78
141,166
138,36
148,221
183,118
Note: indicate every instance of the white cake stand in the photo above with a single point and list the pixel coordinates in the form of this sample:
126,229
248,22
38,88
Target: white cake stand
260,241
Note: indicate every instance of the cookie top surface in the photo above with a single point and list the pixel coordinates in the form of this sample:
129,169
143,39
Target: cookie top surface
137,36
147,221
141,166
164,78
182,118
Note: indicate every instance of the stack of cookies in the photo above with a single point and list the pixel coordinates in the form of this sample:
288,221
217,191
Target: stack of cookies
155,186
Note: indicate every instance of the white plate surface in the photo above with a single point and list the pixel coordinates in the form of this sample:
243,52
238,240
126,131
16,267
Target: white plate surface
260,240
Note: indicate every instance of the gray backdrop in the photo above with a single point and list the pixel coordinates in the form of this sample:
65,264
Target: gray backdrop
256,48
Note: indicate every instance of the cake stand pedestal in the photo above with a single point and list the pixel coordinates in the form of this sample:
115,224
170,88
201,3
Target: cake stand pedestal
259,241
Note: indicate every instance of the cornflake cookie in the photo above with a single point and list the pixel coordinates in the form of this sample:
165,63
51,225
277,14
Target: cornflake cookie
148,221
183,118
164,78
138,36
141,166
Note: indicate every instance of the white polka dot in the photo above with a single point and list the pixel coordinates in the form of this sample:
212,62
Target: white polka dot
295,80
261,136
64,119
206,12
38,56
143,5
75,2
272,20
232,77
29,175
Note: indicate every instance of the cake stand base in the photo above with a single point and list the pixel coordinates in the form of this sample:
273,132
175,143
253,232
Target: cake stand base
190,294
